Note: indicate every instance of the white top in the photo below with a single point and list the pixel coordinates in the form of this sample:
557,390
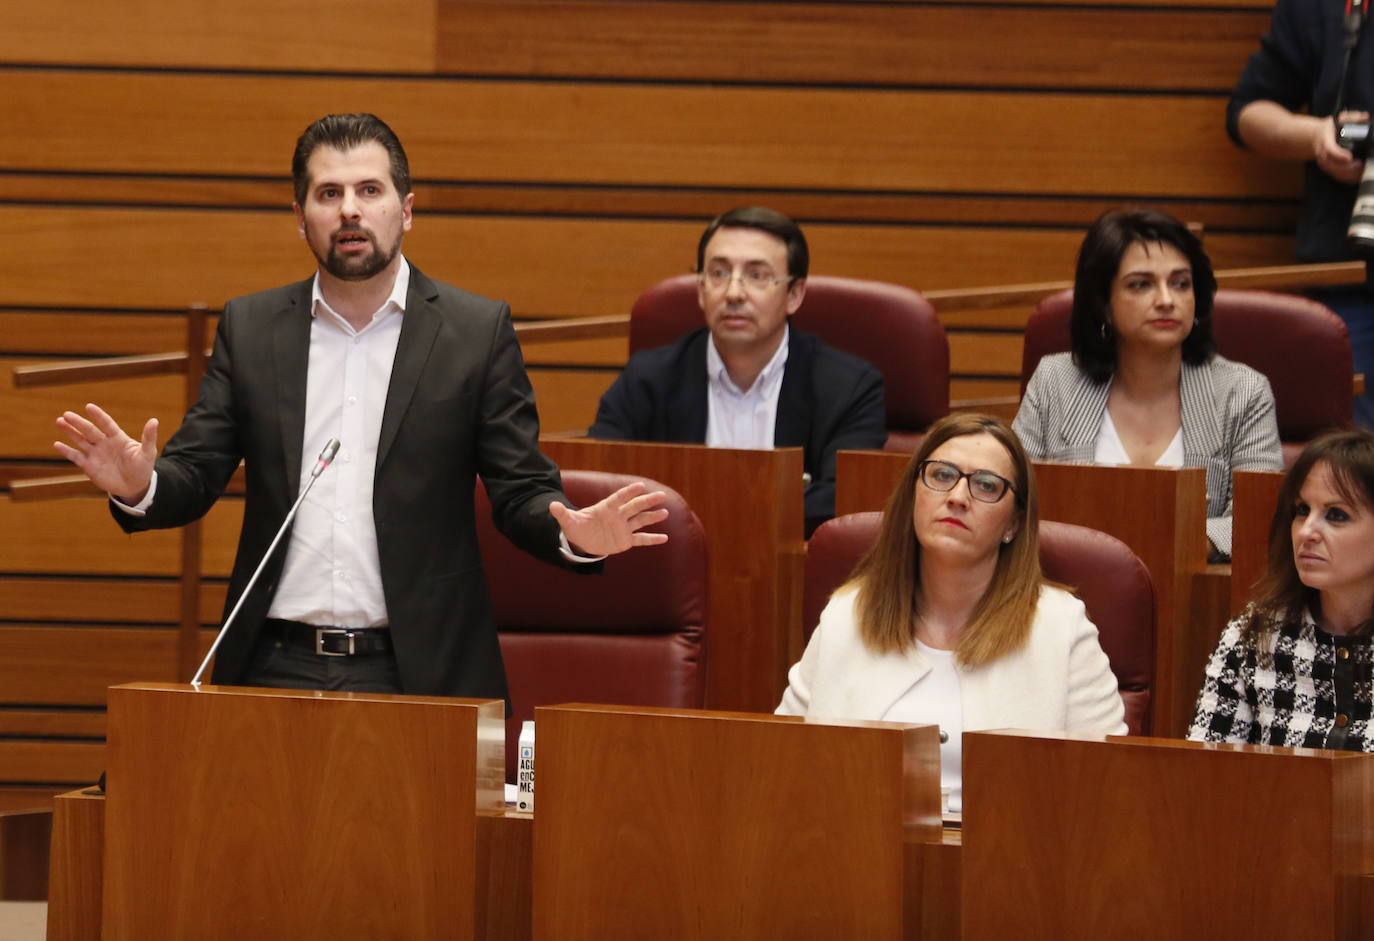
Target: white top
1059,681
332,573
1110,450
935,698
743,418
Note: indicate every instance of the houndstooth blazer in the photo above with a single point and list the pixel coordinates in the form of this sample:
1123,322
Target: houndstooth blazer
1228,424
1313,693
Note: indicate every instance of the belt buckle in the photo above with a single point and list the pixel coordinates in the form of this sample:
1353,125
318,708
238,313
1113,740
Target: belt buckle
322,632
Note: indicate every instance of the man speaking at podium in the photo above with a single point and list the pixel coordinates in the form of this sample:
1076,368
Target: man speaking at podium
379,587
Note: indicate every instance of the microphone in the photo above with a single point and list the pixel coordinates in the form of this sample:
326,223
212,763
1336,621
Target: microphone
1354,20
326,458
323,461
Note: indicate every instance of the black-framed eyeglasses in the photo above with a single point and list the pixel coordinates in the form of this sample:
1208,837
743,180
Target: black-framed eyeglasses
983,485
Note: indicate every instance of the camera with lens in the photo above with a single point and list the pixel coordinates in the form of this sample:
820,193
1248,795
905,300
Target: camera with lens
1354,137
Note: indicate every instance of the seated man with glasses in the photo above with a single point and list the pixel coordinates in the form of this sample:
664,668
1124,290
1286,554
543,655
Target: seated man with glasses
746,379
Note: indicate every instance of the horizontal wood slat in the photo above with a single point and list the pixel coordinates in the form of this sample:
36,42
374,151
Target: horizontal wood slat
992,354
60,334
949,45
652,202
75,665
361,35
568,399
77,536
103,600
53,723
50,762
1100,144
713,39
63,333
546,267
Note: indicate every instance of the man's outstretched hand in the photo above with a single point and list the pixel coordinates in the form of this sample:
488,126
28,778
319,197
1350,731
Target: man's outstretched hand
115,462
616,523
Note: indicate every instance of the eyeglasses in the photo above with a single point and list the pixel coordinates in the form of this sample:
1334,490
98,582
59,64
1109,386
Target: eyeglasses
983,485
719,277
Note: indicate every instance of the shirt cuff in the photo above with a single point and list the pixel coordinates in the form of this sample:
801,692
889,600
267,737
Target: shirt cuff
571,556
140,508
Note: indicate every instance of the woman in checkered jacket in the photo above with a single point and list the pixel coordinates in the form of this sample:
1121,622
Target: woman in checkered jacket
1294,668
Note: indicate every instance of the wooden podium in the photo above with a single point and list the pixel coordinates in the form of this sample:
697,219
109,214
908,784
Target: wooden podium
252,813
1083,837
678,824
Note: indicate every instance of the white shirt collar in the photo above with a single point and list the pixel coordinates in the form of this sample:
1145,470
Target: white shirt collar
718,375
395,301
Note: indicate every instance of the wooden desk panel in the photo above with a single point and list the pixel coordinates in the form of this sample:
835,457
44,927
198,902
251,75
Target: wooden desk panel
750,505
1255,495
76,870
682,824
1118,838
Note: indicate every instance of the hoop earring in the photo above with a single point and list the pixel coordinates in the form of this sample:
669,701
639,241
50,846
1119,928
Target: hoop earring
1103,329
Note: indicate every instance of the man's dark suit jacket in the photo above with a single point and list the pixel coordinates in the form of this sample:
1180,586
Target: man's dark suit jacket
459,404
829,400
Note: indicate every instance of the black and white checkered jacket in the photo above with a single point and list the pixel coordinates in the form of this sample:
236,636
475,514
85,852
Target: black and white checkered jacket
1315,694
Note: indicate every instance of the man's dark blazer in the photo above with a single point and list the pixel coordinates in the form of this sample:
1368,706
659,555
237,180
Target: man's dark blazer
829,401
459,404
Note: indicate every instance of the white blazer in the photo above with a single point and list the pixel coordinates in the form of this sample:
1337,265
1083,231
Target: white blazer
1059,681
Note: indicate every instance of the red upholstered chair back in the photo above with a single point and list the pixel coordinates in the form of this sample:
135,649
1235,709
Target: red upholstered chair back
892,327
1299,345
634,635
1112,582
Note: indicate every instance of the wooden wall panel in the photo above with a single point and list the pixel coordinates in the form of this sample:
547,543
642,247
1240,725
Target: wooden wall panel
68,723
28,417
78,536
985,353
566,157
49,762
546,267
907,44
61,333
75,665
568,398
363,35
665,201
102,599
645,134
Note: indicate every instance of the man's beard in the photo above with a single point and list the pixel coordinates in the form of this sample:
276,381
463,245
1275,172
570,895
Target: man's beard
359,267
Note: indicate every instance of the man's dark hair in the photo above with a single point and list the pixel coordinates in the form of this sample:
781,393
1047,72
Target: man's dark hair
765,220
344,132
1099,259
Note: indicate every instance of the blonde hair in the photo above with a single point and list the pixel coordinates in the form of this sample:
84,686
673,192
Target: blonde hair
887,577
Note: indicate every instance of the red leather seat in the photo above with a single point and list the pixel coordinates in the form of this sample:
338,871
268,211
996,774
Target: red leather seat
1300,346
892,327
1112,582
634,635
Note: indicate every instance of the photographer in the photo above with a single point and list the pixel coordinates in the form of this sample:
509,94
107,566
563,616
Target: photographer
1301,66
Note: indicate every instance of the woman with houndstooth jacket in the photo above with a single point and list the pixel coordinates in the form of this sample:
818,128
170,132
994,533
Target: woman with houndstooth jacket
1294,668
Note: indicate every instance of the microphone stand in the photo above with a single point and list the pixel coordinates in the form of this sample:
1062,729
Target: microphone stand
326,456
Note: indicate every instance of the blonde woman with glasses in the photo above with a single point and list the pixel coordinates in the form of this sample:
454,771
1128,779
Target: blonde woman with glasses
947,619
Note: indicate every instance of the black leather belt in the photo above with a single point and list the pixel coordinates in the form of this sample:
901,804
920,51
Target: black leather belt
331,641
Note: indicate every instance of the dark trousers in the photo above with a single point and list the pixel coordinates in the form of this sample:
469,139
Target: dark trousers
283,665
